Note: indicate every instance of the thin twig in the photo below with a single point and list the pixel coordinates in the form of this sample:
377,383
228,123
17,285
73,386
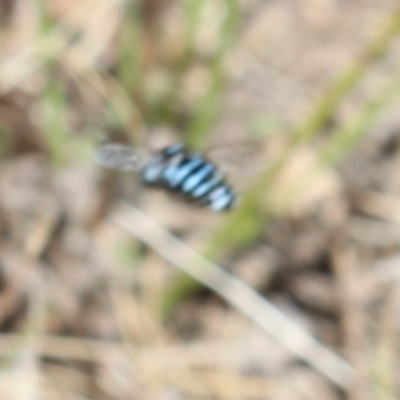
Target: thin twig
236,293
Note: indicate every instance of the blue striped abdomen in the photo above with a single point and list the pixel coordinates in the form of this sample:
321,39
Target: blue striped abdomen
190,175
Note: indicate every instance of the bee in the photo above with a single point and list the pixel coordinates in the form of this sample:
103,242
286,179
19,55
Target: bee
175,169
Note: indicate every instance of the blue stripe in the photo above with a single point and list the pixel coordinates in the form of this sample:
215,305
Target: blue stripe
205,187
222,202
219,191
152,173
169,173
173,165
195,179
177,175
221,198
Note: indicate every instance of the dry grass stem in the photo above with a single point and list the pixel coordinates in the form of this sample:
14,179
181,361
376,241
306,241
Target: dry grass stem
236,293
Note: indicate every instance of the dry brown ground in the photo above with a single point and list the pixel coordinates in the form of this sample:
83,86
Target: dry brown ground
79,295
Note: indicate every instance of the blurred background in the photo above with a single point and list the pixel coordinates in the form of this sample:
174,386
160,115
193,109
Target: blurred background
299,102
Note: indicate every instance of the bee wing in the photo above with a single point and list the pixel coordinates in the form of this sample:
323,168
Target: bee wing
240,161
244,157
120,156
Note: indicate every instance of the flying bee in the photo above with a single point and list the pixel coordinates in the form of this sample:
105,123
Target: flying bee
176,169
